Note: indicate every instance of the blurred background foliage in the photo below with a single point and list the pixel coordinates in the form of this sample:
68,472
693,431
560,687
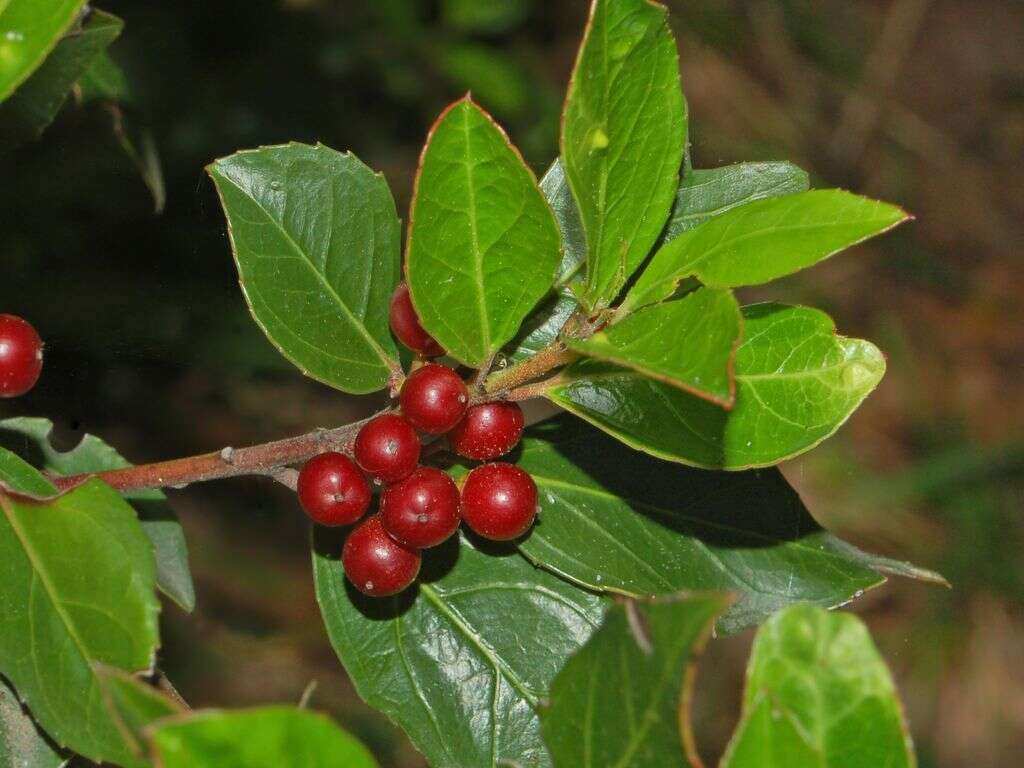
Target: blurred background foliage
915,101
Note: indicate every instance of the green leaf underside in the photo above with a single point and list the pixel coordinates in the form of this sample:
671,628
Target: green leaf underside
447,662
543,328
29,29
104,80
555,188
134,705
616,703
158,520
483,243
797,382
19,476
316,239
265,737
762,241
35,104
613,519
818,696
22,744
688,343
623,133
704,194
76,587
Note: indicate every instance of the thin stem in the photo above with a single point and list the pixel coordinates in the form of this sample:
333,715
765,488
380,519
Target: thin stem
552,356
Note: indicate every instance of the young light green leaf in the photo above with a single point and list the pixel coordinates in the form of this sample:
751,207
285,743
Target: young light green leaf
134,705
797,382
158,520
29,29
483,243
612,519
265,737
631,673
35,104
18,476
444,661
316,239
704,194
762,241
688,343
555,188
77,586
22,744
818,696
623,133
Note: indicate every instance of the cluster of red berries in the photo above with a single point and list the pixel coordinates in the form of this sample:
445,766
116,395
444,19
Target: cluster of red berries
21,356
419,506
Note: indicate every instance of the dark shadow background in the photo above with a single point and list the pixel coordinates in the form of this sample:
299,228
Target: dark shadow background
916,101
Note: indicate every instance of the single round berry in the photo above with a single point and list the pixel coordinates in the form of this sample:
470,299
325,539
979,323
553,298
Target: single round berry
422,510
332,490
21,356
375,563
488,430
499,501
434,398
405,324
387,448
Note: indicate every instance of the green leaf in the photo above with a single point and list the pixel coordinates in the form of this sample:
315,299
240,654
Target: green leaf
704,194
623,133
543,328
29,29
762,241
158,520
555,188
22,744
818,696
616,520
462,660
104,80
797,382
134,705
265,737
483,244
316,239
18,476
617,700
688,343
31,108
77,586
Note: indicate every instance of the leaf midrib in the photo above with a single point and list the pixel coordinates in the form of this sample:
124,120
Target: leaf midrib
474,232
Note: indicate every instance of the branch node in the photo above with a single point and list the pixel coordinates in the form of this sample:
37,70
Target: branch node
227,454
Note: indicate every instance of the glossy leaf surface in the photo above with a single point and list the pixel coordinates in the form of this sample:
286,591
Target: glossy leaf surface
483,244
446,660
797,382
555,188
29,29
762,241
623,132
617,701
316,239
818,696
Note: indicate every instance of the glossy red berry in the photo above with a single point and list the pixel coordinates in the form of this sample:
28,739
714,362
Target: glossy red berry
332,490
405,324
434,398
499,501
422,510
488,430
21,356
375,563
387,448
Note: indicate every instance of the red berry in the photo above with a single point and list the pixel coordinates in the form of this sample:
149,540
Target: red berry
405,324
376,564
332,490
499,501
488,430
422,510
387,448
434,398
21,356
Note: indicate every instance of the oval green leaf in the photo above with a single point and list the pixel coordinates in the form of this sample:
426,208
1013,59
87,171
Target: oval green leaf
688,343
818,696
630,674
18,476
623,132
483,243
445,661
29,29
797,382
77,585
762,241
555,188
316,239
134,705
